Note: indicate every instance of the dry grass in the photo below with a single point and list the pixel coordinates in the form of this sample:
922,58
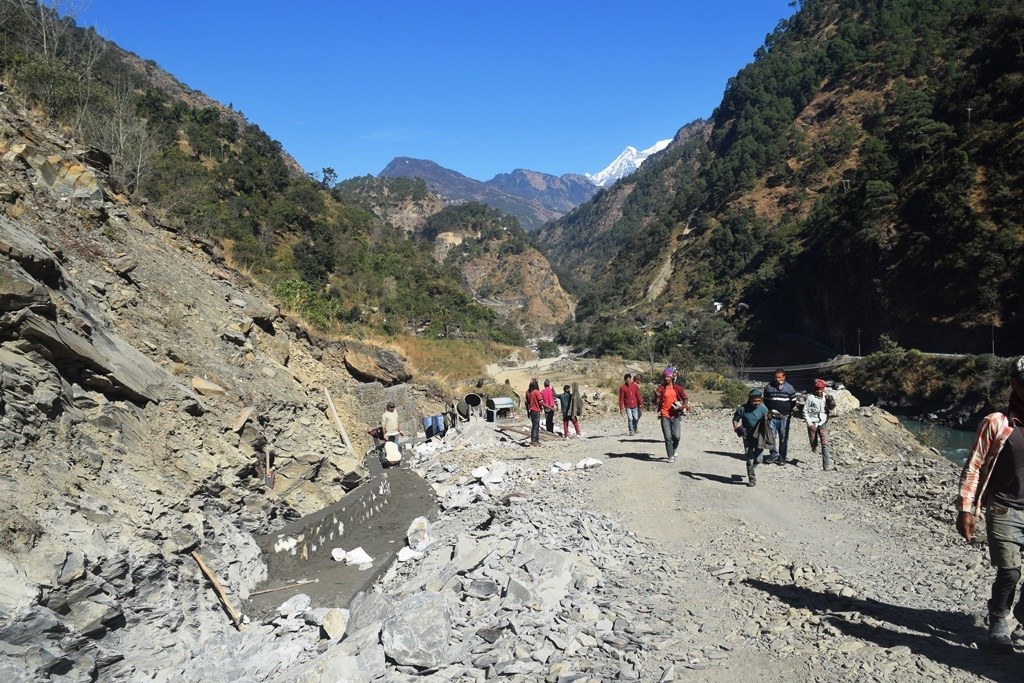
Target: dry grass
448,359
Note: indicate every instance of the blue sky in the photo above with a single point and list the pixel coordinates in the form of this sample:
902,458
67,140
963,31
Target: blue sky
479,87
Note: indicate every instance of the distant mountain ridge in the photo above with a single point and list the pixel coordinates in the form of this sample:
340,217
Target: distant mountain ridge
625,164
533,198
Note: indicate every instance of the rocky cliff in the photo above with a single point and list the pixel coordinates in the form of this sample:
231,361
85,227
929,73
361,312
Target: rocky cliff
144,388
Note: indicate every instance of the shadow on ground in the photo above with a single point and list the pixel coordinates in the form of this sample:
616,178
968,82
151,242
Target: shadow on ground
731,454
635,456
734,479
945,638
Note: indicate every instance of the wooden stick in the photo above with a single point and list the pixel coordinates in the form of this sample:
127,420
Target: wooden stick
220,592
337,420
281,588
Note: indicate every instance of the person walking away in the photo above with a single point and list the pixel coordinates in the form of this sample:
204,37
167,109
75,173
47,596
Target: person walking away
389,427
993,479
779,398
750,422
671,402
565,399
630,402
534,405
549,405
817,410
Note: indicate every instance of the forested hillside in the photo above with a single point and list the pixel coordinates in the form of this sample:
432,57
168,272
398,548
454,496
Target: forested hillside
339,253
861,177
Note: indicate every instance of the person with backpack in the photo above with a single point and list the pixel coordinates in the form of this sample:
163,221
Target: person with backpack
570,409
750,422
817,409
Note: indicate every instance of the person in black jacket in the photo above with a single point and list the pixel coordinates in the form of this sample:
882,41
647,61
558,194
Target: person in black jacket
779,397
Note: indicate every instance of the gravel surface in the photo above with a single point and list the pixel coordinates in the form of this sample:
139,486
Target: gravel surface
854,574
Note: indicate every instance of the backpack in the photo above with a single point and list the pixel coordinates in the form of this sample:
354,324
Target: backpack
830,404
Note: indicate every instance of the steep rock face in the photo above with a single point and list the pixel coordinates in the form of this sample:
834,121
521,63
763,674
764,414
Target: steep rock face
144,386
523,287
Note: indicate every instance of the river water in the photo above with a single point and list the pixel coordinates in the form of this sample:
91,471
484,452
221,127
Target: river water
954,444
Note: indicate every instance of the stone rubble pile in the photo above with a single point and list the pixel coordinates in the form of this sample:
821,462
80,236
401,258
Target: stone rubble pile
522,586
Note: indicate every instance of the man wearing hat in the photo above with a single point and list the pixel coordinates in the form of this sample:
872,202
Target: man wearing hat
750,422
817,409
671,401
993,478
389,423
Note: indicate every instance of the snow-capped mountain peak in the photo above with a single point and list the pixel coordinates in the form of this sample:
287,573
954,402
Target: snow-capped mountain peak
625,164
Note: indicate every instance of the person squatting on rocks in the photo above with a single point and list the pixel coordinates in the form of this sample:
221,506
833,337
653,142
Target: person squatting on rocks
549,405
568,414
534,404
779,397
817,409
389,427
750,422
630,403
993,478
671,402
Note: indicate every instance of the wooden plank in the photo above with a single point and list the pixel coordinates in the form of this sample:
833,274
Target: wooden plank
337,421
525,431
220,592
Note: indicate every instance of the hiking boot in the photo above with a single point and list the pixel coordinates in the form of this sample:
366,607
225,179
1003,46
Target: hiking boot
999,630
752,482
771,460
781,461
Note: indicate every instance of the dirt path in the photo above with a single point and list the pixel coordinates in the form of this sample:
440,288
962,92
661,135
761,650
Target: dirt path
823,586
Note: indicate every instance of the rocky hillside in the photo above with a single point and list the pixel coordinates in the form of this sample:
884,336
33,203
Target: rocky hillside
533,198
856,180
144,386
501,265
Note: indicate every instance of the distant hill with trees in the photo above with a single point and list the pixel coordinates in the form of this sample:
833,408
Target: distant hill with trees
860,177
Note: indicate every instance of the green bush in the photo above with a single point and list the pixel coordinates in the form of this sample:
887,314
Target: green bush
734,393
547,349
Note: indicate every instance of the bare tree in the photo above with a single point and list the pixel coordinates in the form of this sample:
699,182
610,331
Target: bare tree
93,48
50,21
738,355
123,134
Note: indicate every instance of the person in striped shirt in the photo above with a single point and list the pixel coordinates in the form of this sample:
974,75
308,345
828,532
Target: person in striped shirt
993,479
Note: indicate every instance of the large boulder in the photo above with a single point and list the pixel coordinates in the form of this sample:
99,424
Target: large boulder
419,631
369,364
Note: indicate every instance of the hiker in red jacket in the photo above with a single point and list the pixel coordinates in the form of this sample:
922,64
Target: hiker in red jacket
630,403
534,404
